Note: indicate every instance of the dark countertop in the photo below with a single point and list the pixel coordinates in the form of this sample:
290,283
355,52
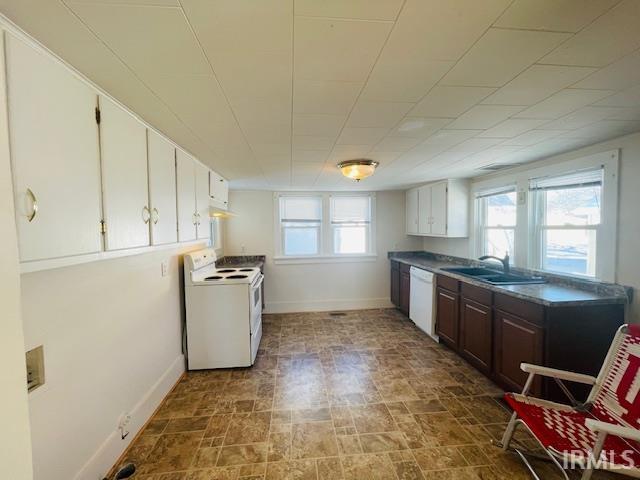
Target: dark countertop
558,292
242,261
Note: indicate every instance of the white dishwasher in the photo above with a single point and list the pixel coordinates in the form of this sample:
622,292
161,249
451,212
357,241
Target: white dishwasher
421,309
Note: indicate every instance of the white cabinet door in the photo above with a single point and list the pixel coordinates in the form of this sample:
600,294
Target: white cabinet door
123,147
202,202
424,209
439,209
54,155
162,189
186,191
219,190
412,210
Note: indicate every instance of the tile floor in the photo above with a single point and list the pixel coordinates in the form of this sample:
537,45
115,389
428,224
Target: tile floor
365,395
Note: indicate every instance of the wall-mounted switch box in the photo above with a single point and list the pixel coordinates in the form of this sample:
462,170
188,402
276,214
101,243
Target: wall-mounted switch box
522,197
35,368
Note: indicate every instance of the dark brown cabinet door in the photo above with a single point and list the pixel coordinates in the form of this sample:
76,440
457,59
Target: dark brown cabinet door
395,284
447,316
405,289
476,334
516,341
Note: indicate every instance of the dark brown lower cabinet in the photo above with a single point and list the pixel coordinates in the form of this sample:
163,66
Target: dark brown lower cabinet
405,290
447,319
395,283
476,334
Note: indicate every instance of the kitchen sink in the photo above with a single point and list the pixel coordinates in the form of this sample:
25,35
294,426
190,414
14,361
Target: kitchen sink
494,277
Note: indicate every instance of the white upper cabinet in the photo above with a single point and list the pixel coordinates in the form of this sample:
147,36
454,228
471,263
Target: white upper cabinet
186,191
218,190
202,202
162,189
412,211
123,146
442,209
54,155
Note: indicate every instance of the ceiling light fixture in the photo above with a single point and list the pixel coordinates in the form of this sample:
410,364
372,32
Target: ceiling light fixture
358,169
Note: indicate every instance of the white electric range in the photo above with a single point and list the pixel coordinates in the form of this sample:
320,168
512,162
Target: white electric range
224,312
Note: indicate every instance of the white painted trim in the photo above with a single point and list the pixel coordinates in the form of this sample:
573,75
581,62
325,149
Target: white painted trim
51,263
111,449
327,305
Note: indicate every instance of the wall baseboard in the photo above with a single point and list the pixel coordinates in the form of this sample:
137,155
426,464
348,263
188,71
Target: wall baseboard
111,449
327,305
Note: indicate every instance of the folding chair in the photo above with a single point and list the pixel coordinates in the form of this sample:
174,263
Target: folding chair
601,433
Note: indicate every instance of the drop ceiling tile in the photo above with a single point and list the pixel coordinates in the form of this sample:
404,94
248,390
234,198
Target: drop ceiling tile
619,75
484,116
232,26
604,129
610,37
449,102
360,9
237,73
384,158
511,128
626,113
441,30
258,132
553,15
419,127
563,102
360,136
310,155
263,110
324,96
582,117
500,55
348,152
377,114
351,45
151,41
318,124
272,152
626,98
403,79
305,174
536,83
450,138
312,142
532,137
396,144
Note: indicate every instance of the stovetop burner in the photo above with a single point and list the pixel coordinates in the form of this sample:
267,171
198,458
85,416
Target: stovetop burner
226,270
237,276
246,269
215,277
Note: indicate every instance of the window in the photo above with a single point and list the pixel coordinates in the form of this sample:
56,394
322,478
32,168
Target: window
567,211
351,224
497,222
300,225
319,227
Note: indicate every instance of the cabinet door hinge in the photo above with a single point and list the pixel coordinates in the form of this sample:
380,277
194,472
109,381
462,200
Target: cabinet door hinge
97,115
103,227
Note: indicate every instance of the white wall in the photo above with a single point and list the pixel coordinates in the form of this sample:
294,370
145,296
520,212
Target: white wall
628,260
318,286
15,443
111,332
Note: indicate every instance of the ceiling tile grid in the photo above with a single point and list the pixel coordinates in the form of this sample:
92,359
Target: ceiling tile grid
273,94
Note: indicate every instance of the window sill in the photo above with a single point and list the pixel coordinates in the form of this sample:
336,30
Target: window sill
280,260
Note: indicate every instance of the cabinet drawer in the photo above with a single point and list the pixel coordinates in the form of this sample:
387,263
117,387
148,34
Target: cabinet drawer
479,294
404,268
447,282
529,311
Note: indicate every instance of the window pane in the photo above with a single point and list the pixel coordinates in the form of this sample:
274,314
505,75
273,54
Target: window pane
569,251
501,210
350,209
301,208
499,241
300,240
352,239
573,206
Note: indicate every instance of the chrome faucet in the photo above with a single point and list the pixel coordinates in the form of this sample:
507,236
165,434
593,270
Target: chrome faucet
504,261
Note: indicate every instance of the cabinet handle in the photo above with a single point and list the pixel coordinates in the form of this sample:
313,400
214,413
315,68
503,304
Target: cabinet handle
34,205
447,296
155,216
146,214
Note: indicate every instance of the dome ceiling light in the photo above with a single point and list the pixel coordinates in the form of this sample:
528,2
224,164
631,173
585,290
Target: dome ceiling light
358,169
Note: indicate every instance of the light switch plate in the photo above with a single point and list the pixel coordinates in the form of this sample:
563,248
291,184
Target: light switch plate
165,268
522,197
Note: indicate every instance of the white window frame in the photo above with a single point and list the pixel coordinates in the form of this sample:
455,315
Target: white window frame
525,241
480,216
326,247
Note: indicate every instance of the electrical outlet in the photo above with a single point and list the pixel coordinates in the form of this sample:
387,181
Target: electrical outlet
242,249
165,268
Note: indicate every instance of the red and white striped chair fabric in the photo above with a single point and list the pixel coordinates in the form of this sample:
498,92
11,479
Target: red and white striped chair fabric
608,424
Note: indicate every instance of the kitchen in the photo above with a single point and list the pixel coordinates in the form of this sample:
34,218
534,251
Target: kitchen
149,146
